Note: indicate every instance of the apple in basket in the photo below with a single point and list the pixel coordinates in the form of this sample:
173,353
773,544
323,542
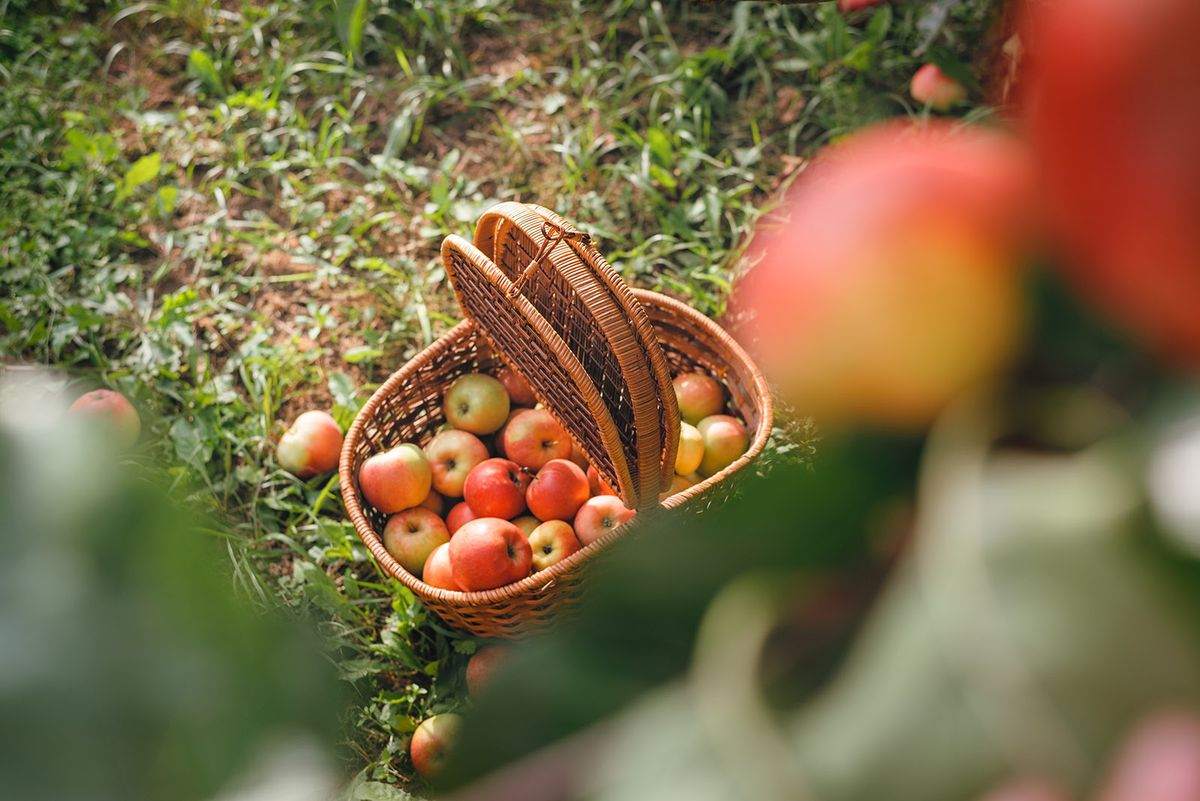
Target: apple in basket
437,572
452,456
600,515
476,403
725,439
489,553
434,503
483,664
699,395
691,449
557,491
431,743
598,485
496,488
679,484
397,479
118,414
552,542
411,536
518,388
534,437
459,516
498,438
527,523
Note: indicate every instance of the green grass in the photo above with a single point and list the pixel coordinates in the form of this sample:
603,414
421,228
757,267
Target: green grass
232,212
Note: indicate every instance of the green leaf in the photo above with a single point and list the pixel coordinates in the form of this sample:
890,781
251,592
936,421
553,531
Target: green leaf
950,64
881,21
143,171
350,18
660,147
201,67
362,353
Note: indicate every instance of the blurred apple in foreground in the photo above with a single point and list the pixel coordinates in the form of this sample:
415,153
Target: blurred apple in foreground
893,285
431,743
1113,112
118,413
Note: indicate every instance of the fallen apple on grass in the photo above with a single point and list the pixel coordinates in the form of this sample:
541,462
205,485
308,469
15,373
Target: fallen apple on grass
437,571
118,414
452,456
699,395
483,664
935,88
489,553
552,542
557,491
431,743
396,479
476,403
534,437
600,515
725,439
410,536
496,488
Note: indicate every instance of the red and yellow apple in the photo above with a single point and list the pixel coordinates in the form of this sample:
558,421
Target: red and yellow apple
410,536
119,416
679,484
496,488
483,664
476,403
725,439
452,456
488,553
460,514
437,571
699,395
935,88
534,437
598,516
397,479
431,743
578,456
526,523
691,449
557,491
552,542
498,437
519,391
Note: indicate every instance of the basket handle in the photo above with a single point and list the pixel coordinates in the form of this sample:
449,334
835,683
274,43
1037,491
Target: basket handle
552,234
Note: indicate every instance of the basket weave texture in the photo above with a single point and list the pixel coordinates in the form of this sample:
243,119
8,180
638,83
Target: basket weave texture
598,354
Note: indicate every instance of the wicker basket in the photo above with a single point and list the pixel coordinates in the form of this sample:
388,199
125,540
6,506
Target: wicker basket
599,355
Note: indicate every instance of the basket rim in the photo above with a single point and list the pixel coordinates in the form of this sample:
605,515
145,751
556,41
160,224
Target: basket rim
483,598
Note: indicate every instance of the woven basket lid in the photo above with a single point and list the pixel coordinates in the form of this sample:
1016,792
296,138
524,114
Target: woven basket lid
556,319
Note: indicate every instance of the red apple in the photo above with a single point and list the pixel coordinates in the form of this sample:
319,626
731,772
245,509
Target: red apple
534,437
578,456
121,418
437,572
691,450
483,664
527,524
725,439
460,514
397,479
517,387
452,455
496,488
489,553
600,515
846,6
597,485
498,437
431,743
557,491
411,536
434,503
476,403
699,395
552,541
935,88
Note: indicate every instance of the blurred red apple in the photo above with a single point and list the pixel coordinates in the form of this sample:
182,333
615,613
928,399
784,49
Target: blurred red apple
437,571
597,485
534,437
552,542
496,488
598,516
476,403
846,6
452,455
1113,111
460,514
935,88
488,553
893,286
483,664
557,491
410,536
118,414
699,395
397,479
431,743
519,391
725,439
